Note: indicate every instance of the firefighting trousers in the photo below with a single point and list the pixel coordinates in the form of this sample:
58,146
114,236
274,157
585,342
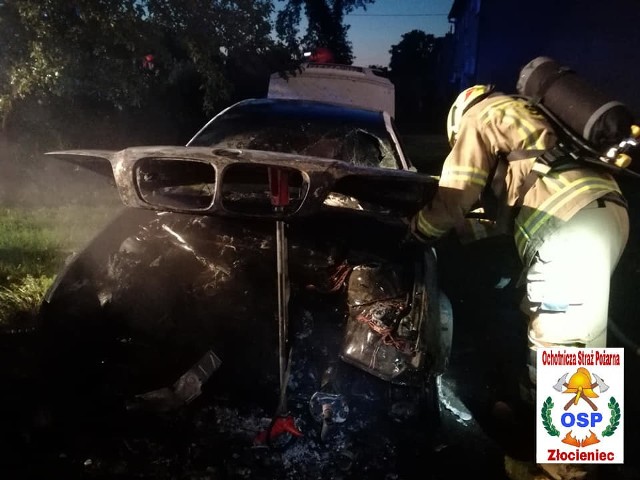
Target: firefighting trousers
568,283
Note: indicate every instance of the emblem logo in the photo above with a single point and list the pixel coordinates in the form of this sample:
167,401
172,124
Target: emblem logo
579,396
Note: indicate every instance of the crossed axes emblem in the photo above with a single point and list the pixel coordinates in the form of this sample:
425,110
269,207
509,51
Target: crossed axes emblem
581,386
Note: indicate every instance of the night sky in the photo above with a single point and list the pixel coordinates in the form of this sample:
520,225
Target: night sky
382,25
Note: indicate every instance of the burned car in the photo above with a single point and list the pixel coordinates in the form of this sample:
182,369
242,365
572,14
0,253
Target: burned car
257,279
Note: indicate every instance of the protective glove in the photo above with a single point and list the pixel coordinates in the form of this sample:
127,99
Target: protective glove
413,237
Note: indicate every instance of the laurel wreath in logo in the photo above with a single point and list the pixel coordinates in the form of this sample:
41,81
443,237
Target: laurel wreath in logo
546,418
614,421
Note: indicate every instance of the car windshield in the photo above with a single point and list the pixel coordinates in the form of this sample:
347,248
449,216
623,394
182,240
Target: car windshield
359,137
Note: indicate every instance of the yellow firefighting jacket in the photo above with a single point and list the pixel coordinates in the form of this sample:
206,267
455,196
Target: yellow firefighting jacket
490,130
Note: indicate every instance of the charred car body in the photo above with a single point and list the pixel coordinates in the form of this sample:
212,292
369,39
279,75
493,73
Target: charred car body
257,269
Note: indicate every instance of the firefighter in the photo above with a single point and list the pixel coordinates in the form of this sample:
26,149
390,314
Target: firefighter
570,225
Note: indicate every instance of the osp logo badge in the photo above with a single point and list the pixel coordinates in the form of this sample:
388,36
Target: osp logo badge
579,398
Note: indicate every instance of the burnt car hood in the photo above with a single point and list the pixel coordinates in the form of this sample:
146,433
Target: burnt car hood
385,193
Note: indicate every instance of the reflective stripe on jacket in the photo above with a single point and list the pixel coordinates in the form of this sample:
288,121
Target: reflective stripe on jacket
490,130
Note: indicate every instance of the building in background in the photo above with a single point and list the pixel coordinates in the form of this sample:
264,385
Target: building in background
493,39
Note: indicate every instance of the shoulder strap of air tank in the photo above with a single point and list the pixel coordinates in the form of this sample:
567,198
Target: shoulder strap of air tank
542,165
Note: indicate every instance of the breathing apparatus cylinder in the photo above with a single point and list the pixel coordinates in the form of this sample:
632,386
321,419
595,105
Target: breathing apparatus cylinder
599,120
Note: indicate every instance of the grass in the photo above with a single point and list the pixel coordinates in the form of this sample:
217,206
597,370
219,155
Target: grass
19,302
34,244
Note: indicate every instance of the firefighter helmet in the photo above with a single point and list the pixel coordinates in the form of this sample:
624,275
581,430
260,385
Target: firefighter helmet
580,383
466,99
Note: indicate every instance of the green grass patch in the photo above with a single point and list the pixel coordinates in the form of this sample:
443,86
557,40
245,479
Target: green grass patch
36,241
19,302
34,245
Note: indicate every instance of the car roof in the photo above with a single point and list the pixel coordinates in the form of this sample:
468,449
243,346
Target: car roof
293,107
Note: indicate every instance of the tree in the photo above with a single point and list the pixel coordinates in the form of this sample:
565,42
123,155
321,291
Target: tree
325,25
64,49
414,69
208,37
413,53
86,52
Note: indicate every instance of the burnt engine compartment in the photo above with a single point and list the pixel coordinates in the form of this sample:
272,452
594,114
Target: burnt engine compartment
154,292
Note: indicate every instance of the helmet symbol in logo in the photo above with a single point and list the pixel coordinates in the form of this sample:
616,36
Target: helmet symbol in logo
581,386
